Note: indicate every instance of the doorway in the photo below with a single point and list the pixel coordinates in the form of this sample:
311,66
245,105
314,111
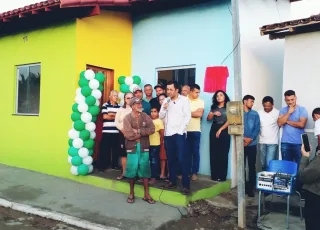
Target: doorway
107,87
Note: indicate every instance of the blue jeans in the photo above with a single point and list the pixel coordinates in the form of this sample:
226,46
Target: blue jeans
155,161
291,152
193,145
268,152
178,156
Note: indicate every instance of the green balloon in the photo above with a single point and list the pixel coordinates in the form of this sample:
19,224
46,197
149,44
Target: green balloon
94,110
70,142
94,119
72,151
76,161
90,100
75,107
75,116
136,80
121,80
124,88
83,82
82,74
90,152
86,91
100,88
88,144
84,135
83,169
79,125
100,77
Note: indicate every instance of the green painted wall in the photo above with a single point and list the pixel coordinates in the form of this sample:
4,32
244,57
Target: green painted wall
39,142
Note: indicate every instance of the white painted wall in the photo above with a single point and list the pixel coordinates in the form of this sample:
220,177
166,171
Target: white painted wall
262,59
302,70
304,9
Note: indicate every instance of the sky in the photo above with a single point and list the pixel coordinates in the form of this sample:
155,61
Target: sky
7,5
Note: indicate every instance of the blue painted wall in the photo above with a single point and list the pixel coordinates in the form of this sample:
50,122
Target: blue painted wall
200,35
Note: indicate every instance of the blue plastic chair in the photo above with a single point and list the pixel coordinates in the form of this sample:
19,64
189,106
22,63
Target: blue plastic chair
288,167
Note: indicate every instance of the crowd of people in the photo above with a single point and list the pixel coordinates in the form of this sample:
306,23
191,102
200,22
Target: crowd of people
158,138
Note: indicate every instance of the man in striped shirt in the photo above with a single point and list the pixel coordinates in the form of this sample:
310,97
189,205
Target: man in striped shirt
109,146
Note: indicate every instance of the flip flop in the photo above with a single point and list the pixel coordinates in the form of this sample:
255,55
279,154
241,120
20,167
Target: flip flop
120,177
130,200
149,200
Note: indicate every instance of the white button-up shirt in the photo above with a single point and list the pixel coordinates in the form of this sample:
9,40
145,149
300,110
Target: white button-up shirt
177,116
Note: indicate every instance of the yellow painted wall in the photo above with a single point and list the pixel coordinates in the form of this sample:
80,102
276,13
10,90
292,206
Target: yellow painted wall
39,142
105,41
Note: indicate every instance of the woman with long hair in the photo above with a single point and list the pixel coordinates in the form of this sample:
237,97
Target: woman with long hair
219,137
122,112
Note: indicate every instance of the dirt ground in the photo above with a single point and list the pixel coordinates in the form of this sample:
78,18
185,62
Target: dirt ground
13,220
204,216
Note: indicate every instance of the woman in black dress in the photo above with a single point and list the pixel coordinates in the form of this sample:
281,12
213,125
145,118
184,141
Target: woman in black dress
219,137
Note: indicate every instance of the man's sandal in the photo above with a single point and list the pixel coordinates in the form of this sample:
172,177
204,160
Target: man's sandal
149,200
130,200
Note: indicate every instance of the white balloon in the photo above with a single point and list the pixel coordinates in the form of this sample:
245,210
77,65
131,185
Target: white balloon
93,134
80,99
87,160
96,93
89,74
69,159
78,91
83,107
128,81
83,152
73,134
74,170
97,103
86,117
121,95
90,168
94,84
90,126
77,143
132,87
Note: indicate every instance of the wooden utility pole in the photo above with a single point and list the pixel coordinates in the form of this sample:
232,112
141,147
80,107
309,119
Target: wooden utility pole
238,97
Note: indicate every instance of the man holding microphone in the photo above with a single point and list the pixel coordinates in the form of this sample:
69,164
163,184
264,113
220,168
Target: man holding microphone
176,114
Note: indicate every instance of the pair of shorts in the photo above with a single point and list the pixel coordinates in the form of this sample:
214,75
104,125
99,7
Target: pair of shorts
122,144
138,164
163,155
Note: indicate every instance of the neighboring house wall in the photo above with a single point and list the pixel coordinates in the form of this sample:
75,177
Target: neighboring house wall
105,41
39,143
262,59
301,71
200,35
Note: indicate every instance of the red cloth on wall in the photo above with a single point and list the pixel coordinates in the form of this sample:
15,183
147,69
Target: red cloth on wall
216,79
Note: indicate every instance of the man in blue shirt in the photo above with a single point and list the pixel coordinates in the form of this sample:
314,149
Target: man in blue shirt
137,92
293,119
251,132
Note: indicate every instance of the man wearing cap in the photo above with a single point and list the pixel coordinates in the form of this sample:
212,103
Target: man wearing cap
137,92
137,126
154,101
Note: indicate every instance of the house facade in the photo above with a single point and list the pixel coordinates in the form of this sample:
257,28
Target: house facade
154,41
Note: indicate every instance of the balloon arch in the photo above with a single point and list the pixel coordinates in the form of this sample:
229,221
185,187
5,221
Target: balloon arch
84,115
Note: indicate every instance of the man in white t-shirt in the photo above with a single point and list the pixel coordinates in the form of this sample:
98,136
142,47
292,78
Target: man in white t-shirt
269,132
316,118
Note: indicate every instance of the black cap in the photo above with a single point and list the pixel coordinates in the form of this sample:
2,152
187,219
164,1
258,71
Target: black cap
159,86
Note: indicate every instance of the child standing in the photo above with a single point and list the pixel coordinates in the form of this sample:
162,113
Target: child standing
155,140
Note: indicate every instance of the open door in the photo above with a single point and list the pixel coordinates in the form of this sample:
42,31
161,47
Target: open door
108,86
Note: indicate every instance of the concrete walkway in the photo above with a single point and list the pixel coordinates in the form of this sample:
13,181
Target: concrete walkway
83,201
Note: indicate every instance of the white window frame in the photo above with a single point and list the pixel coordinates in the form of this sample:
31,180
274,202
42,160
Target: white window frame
192,66
17,90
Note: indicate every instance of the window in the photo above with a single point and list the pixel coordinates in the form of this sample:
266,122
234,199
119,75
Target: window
28,89
184,75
